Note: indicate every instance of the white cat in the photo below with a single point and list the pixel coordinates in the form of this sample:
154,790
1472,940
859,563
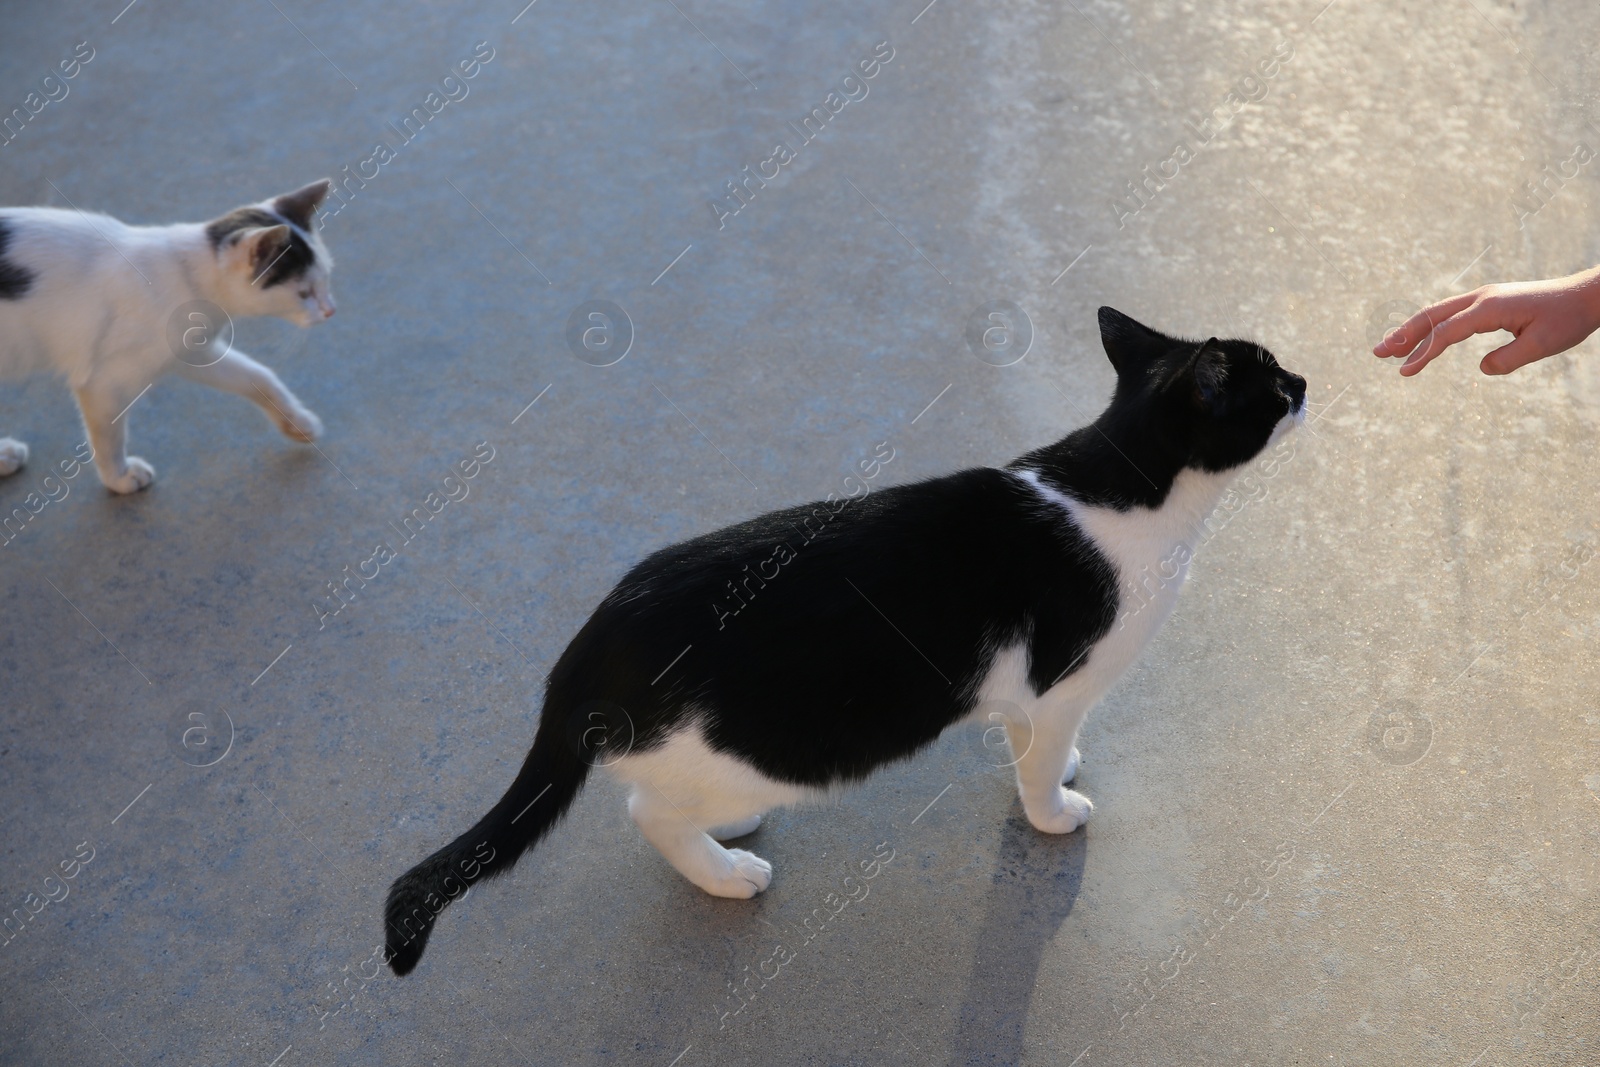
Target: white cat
112,307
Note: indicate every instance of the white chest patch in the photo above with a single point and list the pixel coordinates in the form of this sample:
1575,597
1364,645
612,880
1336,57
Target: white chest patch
1151,549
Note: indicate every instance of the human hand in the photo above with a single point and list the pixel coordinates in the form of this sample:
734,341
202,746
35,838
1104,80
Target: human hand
1547,317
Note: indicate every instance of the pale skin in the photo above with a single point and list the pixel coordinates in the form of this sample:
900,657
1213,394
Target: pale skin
1545,318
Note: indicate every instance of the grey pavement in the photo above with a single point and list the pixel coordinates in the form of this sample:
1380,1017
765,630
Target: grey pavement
1346,806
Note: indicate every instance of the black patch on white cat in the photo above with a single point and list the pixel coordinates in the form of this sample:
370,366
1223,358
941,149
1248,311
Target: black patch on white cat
15,279
280,262
866,627
244,218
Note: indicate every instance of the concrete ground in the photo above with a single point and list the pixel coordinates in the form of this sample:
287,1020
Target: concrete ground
1346,805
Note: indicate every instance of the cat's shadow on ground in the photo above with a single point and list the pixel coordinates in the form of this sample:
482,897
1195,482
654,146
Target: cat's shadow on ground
1032,891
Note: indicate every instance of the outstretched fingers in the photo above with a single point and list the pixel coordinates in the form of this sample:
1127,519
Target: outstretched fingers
1405,337
1453,330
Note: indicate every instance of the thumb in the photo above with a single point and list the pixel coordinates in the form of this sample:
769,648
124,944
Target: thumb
1508,357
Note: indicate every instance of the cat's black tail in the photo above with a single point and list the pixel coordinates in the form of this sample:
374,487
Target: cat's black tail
545,787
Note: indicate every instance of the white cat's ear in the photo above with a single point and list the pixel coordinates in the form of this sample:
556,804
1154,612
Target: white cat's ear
1130,345
257,249
299,205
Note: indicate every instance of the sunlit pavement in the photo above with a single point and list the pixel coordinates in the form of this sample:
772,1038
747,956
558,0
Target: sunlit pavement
1346,804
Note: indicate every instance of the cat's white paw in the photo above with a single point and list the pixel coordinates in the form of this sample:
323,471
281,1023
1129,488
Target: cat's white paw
13,454
134,477
1072,767
748,875
298,424
729,831
1070,812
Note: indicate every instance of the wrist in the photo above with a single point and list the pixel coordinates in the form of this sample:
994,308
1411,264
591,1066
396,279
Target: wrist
1586,286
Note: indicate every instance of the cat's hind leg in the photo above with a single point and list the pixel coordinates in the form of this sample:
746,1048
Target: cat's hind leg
234,372
672,825
736,828
1071,772
13,454
105,417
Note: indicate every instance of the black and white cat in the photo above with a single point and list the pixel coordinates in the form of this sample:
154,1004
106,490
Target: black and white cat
870,626
107,305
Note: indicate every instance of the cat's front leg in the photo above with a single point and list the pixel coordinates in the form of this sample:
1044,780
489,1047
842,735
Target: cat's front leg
105,416
234,372
13,454
1044,738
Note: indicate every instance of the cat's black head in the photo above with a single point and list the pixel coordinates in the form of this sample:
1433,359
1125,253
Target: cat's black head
1213,404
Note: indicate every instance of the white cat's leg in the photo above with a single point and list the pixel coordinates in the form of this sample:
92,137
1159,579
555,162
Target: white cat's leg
1072,766
735,828
719,871
237,373
105,416
1044,736
13,454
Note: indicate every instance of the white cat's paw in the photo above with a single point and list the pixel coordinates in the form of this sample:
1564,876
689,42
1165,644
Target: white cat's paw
1071,811
1072,767
13,454
134,477
748,874
729,831
298,424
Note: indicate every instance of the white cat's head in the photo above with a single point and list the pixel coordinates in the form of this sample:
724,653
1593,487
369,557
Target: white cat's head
273,261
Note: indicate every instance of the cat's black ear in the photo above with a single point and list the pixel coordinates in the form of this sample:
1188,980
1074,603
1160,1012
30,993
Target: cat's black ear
299,205
1203,375
1130,345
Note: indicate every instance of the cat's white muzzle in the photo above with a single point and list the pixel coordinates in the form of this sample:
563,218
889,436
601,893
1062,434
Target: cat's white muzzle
1291,419
314,311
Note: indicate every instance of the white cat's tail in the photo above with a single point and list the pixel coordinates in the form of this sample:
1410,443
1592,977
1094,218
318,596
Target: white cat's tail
545,787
